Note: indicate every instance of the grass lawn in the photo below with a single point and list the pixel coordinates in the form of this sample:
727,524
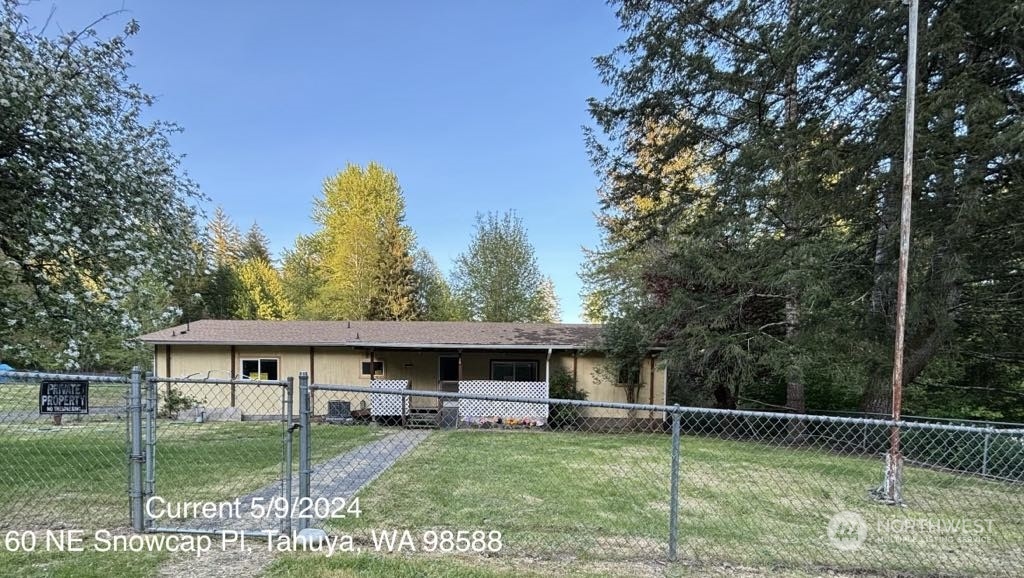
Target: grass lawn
21,397
85,564
75,477
565,503
605,497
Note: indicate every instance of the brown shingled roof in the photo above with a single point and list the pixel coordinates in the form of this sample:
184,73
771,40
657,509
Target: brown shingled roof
409,334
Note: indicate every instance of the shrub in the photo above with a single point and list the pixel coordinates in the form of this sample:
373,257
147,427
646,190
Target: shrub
562,386
174,402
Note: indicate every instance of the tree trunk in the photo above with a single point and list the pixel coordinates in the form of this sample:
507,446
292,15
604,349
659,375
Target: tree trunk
795,395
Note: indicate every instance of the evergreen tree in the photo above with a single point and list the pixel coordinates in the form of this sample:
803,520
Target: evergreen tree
223,248
223,241
434,296
394,295
303,274
548,305
769,266
255,245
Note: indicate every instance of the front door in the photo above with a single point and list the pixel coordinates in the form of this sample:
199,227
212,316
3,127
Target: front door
447,369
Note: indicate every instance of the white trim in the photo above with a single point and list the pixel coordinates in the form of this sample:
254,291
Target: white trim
259,359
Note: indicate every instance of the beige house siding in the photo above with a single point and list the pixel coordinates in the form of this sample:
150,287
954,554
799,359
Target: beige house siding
342,366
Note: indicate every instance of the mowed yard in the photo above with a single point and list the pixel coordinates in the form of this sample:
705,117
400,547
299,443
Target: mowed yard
604,497
75,476
557,498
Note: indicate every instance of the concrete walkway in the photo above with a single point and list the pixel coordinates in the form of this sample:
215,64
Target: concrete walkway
339,477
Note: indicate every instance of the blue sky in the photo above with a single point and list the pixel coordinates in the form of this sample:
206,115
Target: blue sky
476,106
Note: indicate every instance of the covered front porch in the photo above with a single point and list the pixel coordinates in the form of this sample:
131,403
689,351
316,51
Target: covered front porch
517,373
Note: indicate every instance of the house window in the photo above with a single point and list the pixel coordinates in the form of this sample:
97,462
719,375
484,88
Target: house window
262,368
514,370
378,368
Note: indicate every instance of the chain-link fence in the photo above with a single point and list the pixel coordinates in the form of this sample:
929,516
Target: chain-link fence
557,479
63,451
401,470
218,455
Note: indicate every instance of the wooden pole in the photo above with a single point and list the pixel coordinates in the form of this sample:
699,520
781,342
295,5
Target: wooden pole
894,461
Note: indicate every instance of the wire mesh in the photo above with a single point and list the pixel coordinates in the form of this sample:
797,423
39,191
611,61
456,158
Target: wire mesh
565,479
217,458
401,470
66,470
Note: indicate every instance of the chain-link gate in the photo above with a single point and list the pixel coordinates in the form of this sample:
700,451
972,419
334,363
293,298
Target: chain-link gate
218,455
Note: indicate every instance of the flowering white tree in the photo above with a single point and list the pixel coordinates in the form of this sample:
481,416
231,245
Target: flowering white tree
96,212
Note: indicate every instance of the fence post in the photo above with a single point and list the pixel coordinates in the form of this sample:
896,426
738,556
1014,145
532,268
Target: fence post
673,525
304,438
286,474
136,458
984,454
151,409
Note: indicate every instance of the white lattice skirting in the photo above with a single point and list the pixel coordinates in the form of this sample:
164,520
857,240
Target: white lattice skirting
382,404
479,411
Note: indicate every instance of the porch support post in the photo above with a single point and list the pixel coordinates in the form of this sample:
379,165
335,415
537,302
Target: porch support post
650,394
231,374
460,365
575,381
664,391
547,370
373,362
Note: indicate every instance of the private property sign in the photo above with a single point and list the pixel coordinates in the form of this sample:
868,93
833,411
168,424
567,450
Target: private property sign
65,396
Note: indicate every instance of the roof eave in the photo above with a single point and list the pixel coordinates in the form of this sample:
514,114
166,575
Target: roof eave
381,345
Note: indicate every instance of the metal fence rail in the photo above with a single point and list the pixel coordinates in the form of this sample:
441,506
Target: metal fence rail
611,481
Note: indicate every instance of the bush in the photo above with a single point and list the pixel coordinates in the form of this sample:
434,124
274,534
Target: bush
174,402
562,386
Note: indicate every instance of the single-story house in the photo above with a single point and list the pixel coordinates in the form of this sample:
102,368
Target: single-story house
429,355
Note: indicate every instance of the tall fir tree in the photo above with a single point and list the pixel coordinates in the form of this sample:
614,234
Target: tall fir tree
770,270
255,245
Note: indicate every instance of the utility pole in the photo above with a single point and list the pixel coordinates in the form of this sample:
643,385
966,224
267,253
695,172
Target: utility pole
894,460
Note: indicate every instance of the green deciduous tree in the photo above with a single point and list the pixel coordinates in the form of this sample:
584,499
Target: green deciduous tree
259,293
358,265
497,278
96,210
434,296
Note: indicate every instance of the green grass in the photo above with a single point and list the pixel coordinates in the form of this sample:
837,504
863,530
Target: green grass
366,566
218,461
85,564
564,502
76,476
605,497
25,397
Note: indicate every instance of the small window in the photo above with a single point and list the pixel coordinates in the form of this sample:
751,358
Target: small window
378,368
514,370
264,368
